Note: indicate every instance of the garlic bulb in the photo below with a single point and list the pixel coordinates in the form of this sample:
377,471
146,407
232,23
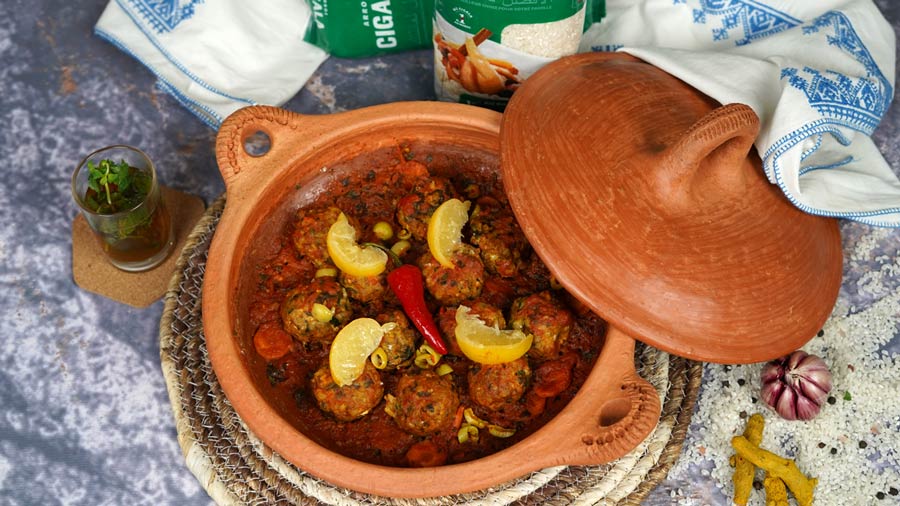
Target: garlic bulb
796,385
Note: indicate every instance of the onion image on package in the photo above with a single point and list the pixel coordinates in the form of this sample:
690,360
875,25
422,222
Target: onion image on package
466,65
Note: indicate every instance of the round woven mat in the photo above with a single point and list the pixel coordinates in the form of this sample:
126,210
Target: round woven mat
235,467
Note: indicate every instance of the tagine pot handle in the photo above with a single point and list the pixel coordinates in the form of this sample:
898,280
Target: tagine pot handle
612,413
254,140
620,415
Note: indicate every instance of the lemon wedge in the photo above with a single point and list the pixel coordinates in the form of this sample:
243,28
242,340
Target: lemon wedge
445,230
488,345
352,346
349,256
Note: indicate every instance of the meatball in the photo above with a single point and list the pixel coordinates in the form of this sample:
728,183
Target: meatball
423,403
493,386
498,237
283,271
546,319
407,173
398,344
452,285
310,230
534,274
415,209
446,320
305,322
363,288
350,402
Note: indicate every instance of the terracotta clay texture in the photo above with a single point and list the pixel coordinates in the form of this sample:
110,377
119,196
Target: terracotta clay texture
648,202
611,414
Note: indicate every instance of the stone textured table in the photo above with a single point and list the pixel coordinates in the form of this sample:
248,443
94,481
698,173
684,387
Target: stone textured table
84,413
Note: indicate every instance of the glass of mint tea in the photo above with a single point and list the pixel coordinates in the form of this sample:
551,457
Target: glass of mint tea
119,195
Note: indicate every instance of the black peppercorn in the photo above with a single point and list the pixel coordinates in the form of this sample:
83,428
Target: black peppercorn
753,400
821,445
893,491
880,495
757,485
821,333
863,444
743,415
831,399
741,381
834,451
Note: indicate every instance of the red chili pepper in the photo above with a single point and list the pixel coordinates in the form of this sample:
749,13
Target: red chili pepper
406,283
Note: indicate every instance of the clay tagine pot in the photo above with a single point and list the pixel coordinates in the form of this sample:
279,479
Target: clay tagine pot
611,414
663,222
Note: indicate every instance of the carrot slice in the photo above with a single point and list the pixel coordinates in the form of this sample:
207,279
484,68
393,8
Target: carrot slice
457,420
534,403
271,341
426,454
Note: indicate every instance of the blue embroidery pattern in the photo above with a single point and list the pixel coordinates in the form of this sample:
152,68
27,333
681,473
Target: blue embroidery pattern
609,48
699,17
833,165
751,19
164,15
858,103
813,148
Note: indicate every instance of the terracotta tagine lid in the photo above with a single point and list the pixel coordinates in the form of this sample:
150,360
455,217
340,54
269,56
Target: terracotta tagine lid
648,202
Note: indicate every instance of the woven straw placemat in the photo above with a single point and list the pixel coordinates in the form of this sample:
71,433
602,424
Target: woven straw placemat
235,467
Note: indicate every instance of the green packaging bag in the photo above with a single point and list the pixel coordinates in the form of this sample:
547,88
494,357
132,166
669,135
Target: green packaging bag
363,28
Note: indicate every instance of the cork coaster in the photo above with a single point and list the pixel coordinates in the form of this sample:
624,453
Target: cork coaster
94,273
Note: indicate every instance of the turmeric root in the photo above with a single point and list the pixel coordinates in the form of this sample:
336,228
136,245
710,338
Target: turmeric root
778,467
744,470
776,492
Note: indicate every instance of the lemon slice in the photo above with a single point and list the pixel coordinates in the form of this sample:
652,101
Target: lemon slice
352,346
349,256
488,345
445,229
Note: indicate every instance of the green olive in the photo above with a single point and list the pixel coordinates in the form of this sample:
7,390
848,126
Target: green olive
322,313
401,247
383,230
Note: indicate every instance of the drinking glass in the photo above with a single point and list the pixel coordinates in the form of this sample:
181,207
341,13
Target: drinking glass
136,238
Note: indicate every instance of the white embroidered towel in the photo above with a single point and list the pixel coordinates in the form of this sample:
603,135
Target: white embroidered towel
820,75
217,57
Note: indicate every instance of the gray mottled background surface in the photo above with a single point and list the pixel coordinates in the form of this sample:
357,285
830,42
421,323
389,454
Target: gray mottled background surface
84,414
